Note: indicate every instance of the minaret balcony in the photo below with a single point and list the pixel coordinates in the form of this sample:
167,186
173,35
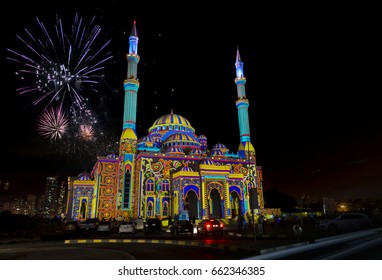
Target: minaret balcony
131,84
241,80
133,57
242,102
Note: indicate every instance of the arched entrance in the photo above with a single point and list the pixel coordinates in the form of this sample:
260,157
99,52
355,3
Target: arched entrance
215,209
235,204
191,204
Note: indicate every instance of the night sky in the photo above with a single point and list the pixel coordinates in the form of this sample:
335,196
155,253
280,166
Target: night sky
315,119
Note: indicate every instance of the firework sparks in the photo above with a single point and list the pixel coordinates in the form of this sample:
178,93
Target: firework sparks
86,132
74,147
52,123
57,66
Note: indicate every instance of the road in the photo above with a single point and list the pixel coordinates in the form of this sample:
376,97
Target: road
53,250
139,247
361,245
356,245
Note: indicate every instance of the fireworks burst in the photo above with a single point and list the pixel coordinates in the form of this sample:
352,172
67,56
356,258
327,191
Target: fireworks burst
57,69
52,123
56,66
86,132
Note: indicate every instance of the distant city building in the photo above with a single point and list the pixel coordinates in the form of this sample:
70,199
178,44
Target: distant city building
61,199
40,207
51,197
54,197
30,205
18,206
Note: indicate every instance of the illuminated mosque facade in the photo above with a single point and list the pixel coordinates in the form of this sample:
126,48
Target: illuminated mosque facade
170,169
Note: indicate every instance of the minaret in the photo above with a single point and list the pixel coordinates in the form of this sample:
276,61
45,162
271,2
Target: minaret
131,83
128,141
242,105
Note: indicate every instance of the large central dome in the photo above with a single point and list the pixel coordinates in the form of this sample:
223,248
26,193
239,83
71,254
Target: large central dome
170,131
171,122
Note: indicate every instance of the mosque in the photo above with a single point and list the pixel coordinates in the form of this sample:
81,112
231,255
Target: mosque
170,171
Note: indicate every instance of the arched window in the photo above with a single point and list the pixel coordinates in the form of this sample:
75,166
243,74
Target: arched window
150,185
165,186
149,209
165,209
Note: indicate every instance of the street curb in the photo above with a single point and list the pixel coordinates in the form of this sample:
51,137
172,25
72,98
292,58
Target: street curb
162,241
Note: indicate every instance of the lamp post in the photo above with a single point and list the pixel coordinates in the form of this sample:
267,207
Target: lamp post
303,198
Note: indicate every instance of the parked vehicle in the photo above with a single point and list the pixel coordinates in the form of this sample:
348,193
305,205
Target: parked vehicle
345,221
104,227
210,226
152,225
127,227
72,228
182,227
114,226
139,224
89,225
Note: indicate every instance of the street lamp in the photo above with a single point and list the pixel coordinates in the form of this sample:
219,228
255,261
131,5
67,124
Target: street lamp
302,203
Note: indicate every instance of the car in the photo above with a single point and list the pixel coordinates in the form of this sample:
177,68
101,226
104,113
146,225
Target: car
104,227
182,227
72,228
152,225
345,221
114,226
139,224
210,226
89,225
127,227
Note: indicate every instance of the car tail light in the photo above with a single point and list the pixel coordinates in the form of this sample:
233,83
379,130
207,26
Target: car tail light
221,225
208,225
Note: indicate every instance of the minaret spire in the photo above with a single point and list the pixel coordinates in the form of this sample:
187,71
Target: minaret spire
128,141
242,105
134,29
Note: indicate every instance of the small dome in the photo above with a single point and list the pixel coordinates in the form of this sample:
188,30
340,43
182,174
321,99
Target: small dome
179,139
202,136
187,168
156,136
208,162
196,152
146,142
219,146
175,150
112,156
145,139
217,153
84,176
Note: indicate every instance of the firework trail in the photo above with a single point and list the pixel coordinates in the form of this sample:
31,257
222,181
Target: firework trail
58,67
